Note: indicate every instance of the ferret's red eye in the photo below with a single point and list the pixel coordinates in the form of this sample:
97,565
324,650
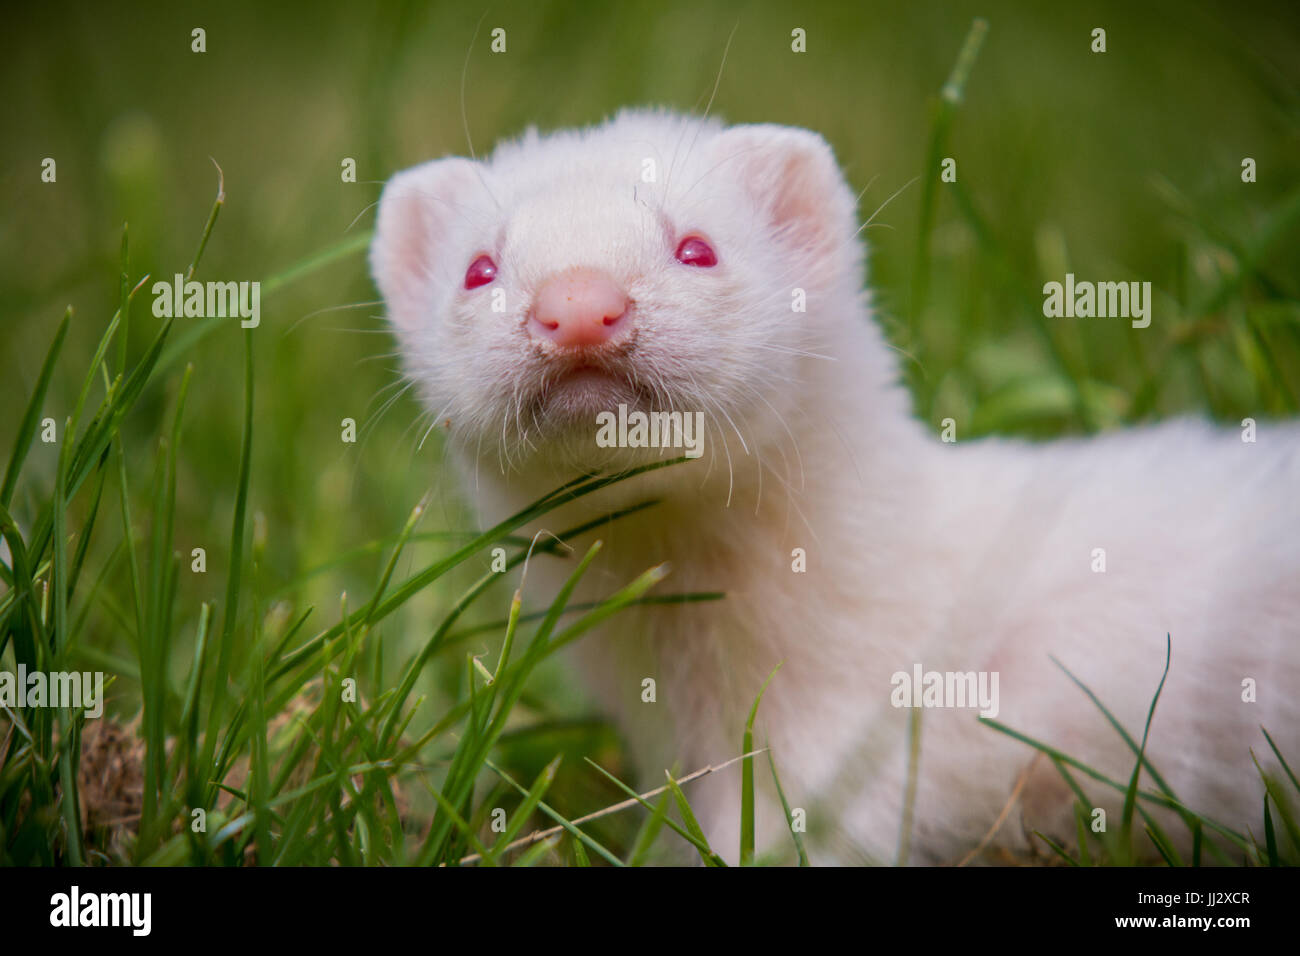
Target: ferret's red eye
480,272
694,251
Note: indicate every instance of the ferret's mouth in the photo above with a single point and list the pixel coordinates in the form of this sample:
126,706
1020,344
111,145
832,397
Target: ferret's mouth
573,397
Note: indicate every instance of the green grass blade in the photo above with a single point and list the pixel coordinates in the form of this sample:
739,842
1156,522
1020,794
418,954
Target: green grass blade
187,342
648,833
1282,760
789,815
1159,799
1056,848
601,851
1130,795
230,612
692,825
747,779
32,414
525,809
1270,838
950,99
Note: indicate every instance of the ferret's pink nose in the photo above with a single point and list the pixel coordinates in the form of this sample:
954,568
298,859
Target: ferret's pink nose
580,308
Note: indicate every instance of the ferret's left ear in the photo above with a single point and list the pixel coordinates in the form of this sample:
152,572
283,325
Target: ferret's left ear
792,175
419,212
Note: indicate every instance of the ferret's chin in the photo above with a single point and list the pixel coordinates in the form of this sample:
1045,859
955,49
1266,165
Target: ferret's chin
563,422
567,408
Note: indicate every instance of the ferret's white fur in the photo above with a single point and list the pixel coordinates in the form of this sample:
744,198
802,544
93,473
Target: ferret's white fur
976,556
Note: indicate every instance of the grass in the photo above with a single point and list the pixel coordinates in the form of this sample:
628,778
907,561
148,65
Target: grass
327,563
1125,848
252,757
323,786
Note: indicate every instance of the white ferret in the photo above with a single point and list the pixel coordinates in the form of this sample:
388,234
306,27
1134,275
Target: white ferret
655,262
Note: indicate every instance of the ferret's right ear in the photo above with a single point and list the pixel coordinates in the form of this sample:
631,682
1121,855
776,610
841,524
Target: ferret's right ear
418,212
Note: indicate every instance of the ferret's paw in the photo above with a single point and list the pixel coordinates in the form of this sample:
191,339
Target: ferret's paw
1046,807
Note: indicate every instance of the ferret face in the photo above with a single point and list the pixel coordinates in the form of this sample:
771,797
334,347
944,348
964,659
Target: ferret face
658,262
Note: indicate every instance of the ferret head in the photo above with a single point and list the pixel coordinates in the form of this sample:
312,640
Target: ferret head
660,262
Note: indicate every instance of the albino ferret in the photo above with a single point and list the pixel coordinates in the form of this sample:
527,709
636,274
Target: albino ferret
669,263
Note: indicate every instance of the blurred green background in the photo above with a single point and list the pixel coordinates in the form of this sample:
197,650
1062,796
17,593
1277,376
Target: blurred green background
1117,166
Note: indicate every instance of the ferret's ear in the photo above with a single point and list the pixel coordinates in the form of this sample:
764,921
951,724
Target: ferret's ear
792,176
418,213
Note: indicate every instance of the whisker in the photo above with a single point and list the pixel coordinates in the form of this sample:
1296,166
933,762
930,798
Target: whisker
717,82
897,192
464,114
332,308
360,214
